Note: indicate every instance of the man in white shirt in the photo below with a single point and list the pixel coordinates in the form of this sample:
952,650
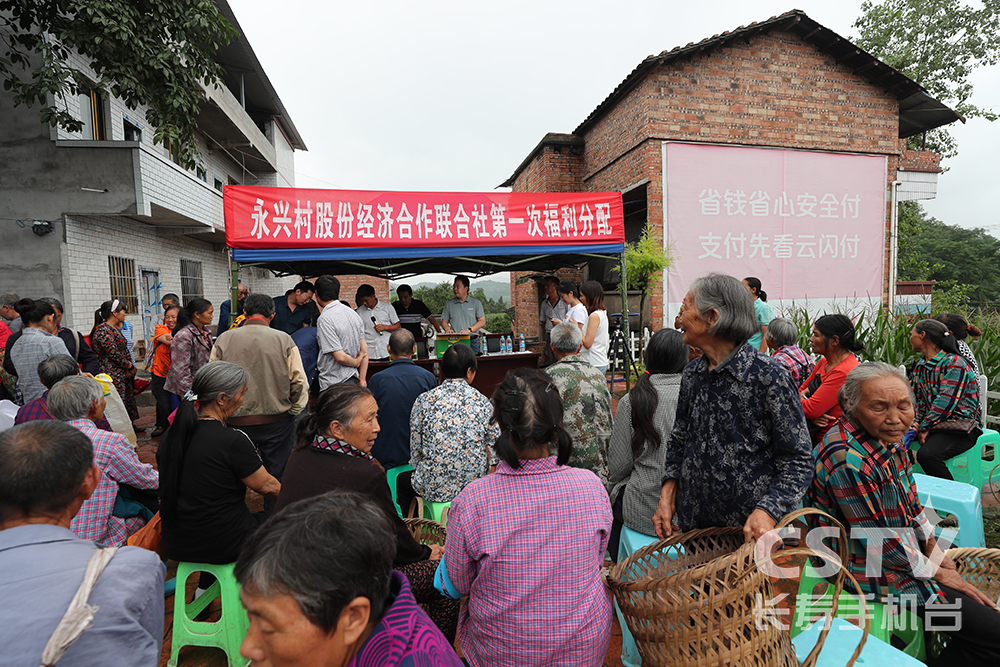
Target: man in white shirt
380,320
343,352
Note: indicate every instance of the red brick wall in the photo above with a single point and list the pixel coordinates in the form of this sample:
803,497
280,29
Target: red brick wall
920,161
775,91
349,286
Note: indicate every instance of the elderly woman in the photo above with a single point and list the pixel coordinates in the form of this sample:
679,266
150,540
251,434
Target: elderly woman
205,470
333,452
947,419
863,478
739,452
190,347
527,543
832,338
451,436
645,419
782,337
319,587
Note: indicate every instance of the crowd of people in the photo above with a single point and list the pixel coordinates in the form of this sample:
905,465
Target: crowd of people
541,477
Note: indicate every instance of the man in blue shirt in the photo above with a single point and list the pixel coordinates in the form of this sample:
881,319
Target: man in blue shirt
396,389
292,311
308,343
48,474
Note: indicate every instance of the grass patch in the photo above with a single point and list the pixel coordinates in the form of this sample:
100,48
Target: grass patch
991,526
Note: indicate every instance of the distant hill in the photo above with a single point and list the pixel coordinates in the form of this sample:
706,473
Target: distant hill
493,289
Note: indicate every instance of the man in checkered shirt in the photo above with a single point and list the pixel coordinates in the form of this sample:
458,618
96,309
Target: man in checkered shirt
79,400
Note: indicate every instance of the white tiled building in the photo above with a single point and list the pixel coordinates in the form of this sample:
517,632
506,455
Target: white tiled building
126,221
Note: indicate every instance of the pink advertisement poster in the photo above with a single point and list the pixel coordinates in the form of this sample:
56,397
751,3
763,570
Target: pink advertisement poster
810,225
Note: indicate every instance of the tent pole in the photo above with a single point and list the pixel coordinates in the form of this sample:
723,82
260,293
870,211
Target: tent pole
234,294
623,288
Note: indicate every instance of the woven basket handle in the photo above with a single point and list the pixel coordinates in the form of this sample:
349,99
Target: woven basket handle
843,572
416,509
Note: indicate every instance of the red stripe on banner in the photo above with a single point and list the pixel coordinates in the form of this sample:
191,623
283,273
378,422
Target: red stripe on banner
267,218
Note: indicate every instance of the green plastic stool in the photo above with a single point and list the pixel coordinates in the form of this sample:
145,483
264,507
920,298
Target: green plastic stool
390,476
430,510
969,466
906,627
228,632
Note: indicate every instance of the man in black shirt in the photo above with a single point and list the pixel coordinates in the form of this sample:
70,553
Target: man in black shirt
410,312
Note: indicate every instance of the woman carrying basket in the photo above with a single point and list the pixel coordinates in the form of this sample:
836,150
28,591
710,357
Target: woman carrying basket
739,453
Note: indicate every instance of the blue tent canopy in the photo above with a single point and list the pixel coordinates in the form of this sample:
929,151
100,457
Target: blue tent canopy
404,262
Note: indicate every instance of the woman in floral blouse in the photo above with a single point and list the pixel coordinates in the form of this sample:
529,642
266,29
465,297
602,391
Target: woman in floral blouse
113,356
191,346
451,437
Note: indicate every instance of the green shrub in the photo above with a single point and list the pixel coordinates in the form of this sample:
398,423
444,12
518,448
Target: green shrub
498,323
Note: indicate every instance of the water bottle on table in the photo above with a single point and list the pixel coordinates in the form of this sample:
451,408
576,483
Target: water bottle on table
521,346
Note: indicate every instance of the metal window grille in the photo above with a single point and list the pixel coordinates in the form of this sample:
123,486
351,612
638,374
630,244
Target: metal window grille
192,283
123,282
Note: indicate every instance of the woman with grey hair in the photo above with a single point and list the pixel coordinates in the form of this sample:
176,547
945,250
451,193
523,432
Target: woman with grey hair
782,337
319,585
864,479
739,452
206,468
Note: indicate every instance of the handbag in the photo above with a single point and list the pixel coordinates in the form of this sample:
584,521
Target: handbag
966,426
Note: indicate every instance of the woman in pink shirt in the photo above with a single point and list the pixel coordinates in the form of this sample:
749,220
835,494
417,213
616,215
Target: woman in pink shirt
527,543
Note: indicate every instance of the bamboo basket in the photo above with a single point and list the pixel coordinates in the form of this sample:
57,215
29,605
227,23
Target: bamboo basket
426,531
981,568
693,600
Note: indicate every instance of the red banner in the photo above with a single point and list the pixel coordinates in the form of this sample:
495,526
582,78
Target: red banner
262,218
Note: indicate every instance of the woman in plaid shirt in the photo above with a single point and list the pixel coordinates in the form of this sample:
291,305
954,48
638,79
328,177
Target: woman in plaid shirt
863,478
946,391
527,543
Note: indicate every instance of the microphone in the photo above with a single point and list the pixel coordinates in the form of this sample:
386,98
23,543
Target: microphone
375,322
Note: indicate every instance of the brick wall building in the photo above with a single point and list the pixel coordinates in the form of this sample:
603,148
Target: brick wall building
787,82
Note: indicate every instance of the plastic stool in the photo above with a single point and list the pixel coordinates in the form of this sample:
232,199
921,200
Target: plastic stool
968,466
989,437
842,641
390,476
437,511
429,509
908,627
228,632
962,500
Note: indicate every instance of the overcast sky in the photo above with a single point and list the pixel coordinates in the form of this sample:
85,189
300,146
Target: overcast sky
451,96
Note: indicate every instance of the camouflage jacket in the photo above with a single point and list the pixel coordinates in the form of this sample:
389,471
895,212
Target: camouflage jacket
586,412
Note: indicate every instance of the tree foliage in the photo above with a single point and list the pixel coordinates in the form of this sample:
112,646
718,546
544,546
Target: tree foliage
938,44
144,52
962,261
437,295
644,259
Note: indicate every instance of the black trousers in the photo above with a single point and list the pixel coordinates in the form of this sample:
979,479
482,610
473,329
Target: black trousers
617,521
976,641
275,444
941,446
404,491
163,401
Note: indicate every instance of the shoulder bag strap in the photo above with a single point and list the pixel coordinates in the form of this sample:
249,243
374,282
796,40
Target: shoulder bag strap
80,615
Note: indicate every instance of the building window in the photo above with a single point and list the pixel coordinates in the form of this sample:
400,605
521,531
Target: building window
218,185
132,131
202,174
192,284
123,282
92,112
173,150
231,181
